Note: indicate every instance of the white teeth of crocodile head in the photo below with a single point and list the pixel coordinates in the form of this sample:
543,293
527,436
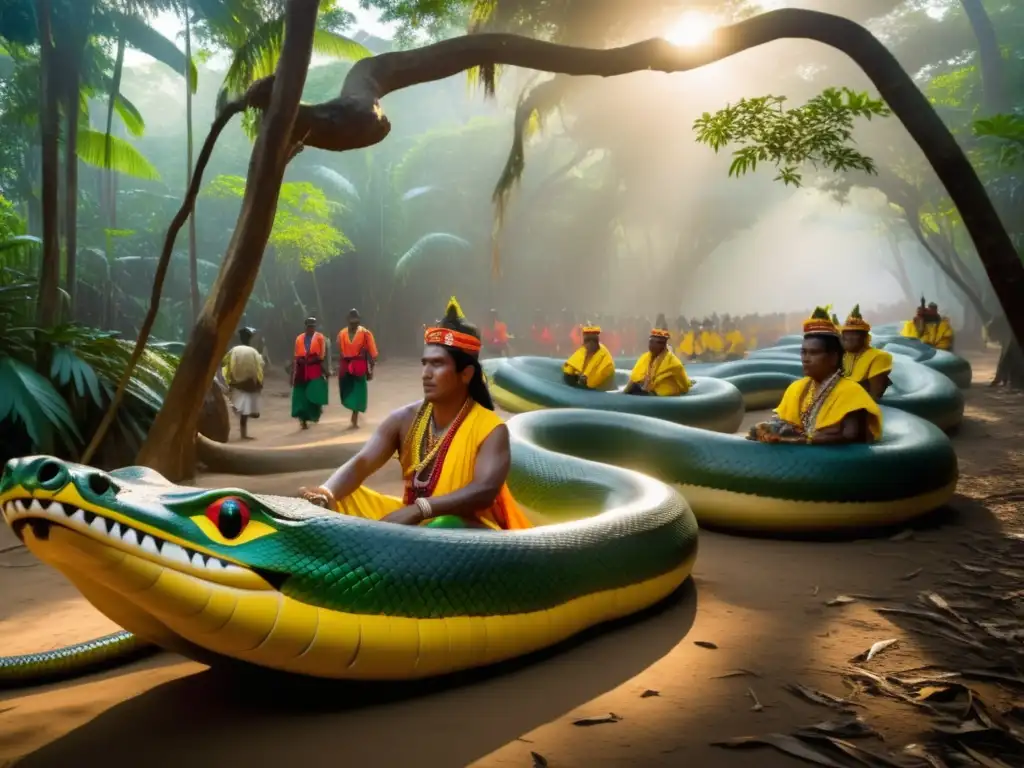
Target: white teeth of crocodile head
173,552
35,507
19,505
78,517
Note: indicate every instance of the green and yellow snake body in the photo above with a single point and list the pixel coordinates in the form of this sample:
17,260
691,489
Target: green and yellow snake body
226,576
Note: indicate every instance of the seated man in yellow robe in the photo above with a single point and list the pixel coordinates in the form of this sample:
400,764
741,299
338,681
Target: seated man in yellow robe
658,371
735,343
711,342
938,332
453,448
862,363
591,366
823,408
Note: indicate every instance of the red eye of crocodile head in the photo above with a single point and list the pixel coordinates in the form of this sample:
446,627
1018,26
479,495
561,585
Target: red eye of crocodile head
230,515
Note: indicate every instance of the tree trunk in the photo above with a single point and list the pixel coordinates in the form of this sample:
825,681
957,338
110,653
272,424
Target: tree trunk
108,200
170,446
49,272
71,86
990,56
193,262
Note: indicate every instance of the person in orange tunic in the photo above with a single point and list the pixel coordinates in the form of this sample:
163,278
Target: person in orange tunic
358,351
310,368
453,448
541,335
497,336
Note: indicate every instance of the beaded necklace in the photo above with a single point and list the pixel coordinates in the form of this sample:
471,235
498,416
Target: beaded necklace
851,358
813,399
422,447
652,371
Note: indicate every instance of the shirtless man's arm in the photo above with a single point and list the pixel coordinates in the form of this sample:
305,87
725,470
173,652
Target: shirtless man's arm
374,454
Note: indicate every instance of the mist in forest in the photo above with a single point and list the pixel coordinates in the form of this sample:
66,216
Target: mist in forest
619,212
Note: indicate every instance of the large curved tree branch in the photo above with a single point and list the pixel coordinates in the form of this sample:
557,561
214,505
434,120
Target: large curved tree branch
355,118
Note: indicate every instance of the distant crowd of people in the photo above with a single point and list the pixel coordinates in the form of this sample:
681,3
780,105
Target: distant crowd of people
589,348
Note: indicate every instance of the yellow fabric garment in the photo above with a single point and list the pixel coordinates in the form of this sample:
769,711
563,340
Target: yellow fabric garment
846,398
456,472
242,363
599,369
712,342
735,343
866,364
667,374
690,345
909,330
938,335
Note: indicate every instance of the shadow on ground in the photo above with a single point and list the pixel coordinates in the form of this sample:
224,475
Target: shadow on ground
229,717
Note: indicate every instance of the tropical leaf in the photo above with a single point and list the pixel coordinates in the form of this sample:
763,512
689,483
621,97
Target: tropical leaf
130,116
30,399
19,241
434,243
67,367
335,179
124,158
417,191
144,38
257,56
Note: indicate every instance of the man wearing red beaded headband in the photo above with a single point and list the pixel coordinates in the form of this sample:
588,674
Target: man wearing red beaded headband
658,371
823,408
453,448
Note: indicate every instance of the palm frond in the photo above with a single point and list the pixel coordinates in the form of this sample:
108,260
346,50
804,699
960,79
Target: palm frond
415,192
257,56
144,38
435,244
30,399
335,179
130,116
124,158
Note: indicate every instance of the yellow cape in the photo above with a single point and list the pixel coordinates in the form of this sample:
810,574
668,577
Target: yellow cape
845,398
599,369
667,378
868,364
456,472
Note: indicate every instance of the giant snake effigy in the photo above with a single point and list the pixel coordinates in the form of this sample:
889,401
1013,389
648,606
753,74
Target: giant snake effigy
616,485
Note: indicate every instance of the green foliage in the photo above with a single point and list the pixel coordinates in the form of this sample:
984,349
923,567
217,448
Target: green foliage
124,158
303,235
819,133
50,410
1008,133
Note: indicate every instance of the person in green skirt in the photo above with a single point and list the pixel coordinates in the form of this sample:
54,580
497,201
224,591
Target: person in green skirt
312,365
358,351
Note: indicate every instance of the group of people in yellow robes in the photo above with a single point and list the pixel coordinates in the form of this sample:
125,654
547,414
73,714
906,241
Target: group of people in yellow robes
836,401
454,449
929,327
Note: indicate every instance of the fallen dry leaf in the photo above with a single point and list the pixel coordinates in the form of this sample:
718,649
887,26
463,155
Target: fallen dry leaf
735,673
985,760
847,727
611,717
818,697
648,693
875,649
753,697
789,745
912,575
841,600
971,568
903,535
539,761
705,644
934,598
860,754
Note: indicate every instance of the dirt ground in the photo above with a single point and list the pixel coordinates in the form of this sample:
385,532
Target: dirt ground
762,605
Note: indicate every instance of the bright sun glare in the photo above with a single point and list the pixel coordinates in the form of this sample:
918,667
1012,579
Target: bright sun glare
693,28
